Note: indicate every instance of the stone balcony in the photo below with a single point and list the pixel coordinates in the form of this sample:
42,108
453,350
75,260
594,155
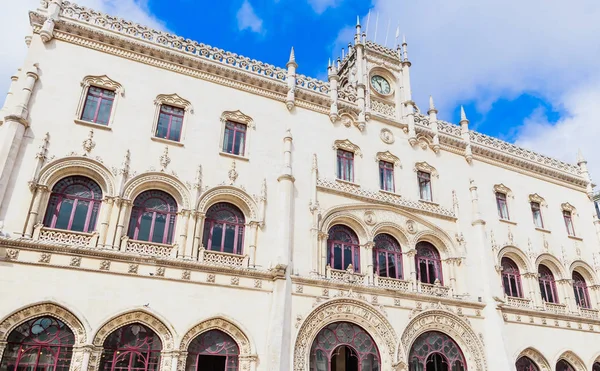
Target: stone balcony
146,248
222,258
63,237
554,308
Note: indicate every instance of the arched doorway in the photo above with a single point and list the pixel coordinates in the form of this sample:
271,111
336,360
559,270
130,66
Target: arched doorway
213,350
343,346
436,351
40,344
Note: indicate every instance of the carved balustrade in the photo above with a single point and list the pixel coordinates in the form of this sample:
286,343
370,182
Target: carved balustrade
392,284
434,290
64,237
555,308
519,302
222,258
348,275
158,250
588,313
383,108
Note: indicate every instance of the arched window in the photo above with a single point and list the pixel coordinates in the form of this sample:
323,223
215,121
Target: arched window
387,256
213,350
40,344
596,366
224,229
343,248
582,297
133,347
429,264
526,364
74,204
563,365
344,346
547,285
153,217
436,351
511,278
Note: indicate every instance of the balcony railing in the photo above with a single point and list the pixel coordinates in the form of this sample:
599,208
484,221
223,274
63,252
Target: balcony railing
434,290
519,302
392,283
348,275
588,312
64,237
158,250
555,308
222,258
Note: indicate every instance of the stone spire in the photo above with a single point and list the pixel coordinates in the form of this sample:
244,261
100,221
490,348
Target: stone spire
432,112
404,50
464,126
290,101
47,31
580,158
582,163
292,59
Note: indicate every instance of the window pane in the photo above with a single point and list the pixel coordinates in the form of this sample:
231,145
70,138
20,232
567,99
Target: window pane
432,275
175,133
229,239
217,237
506,284
350,170
347,256
89,110
104,112
382,267
145,223
163,125
80,216
240,140
513,287
381,178
423,271
392,265
337,256
64,214
159,228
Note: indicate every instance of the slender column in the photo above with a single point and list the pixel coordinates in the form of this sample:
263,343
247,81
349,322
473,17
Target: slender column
40,193
534,288
291,81
125,206
189,244
410,262
174,360
452,274
11,90
198,234
368,255
47,31
112,223
252,238
105,211
566,288
322,253
184,216
85,362
333,92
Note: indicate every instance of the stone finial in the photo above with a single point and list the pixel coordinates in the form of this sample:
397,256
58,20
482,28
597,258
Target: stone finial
404,49
263,190
124,170
288,134
232,173
89,144
43,151
463,115
292,59
431,105
580,158
198,179
314,162
164,159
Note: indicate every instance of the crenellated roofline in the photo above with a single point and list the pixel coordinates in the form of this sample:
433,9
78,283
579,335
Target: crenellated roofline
92,29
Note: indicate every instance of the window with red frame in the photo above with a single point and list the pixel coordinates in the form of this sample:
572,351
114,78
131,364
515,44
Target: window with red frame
345,165
502,205
213,350
563,365
511,278
387,256
568,217
40,344
436,351
429,264
224,229
170,122
547,285
74,204
134,347
153,217
343,248
596,366
536,213
234,138
386,176
582,296
98,105
424,186
526,364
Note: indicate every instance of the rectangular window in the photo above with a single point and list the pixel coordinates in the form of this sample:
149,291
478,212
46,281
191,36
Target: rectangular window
98,105
386,176
345,165
537,215
502,205
170,121
424,186
569,222
234,140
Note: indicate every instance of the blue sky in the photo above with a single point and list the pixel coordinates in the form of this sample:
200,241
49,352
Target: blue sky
526,72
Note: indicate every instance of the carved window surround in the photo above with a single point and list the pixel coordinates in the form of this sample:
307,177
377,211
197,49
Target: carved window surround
347,145
387,156
538,199
434,179
103,82
175,101
501,188
237,117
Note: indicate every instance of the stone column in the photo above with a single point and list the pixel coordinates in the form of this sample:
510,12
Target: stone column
112,223
85,362
452,274
565,288
322,253
198,234
105,212
409,260
534,288
40,192
174,360
189,244
125,207
252,238
368,255
183,216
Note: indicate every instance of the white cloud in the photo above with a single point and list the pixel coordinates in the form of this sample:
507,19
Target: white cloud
15,22
247,18
319,6
486,50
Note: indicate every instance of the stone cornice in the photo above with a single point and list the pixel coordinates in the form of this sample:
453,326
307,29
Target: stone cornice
540,316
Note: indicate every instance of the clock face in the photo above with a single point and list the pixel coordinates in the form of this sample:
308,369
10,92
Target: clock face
381,85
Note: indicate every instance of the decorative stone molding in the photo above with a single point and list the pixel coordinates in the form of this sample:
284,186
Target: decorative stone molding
78,165
501,188
347,145
536,357
387,156
585,270
231,194
158,180
136,316
10,322
175,101
237,117
555,266
518,256
227,326
386,136
537,199
450,324
426,168
103,82
573,360
345,309
568,207
370,218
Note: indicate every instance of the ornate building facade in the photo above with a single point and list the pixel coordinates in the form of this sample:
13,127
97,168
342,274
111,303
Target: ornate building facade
172,206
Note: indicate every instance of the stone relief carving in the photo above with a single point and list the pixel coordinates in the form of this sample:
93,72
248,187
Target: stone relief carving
370,218
426,168
347,145
387,156
386,136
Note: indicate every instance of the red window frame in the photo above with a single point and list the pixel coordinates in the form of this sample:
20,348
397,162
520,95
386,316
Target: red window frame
66,191
388,248
174,115
547,285
563,365
98,95
386,176
580,289
430,346
133,347
425,188
428,255
596,366
526,364
345,165
227,217
568,218
237,132
511,278
502,205
536,208
157,204
213,343
344,239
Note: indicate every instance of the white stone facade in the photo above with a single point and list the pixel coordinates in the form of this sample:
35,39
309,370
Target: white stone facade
280,290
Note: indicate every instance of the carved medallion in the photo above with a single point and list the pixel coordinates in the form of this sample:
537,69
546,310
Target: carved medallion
411,226
386,136
369,218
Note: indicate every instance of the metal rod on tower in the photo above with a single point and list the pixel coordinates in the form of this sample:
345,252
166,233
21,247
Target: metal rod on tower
368,19
387,33
376,26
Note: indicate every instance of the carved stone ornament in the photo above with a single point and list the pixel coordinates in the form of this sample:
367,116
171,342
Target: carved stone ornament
568,207
536,357
12,254
386,136
347,145
426,168
411,226
370,218
174,100
45,258
501,188
103,82
537,199
105,265
160,271
238,117
88,144
574,360
75,261
164,159
232,173
387,156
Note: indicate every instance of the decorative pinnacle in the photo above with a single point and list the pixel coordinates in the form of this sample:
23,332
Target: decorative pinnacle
358,26
431,105
89,144
164,159
580,158
292,60
463,116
